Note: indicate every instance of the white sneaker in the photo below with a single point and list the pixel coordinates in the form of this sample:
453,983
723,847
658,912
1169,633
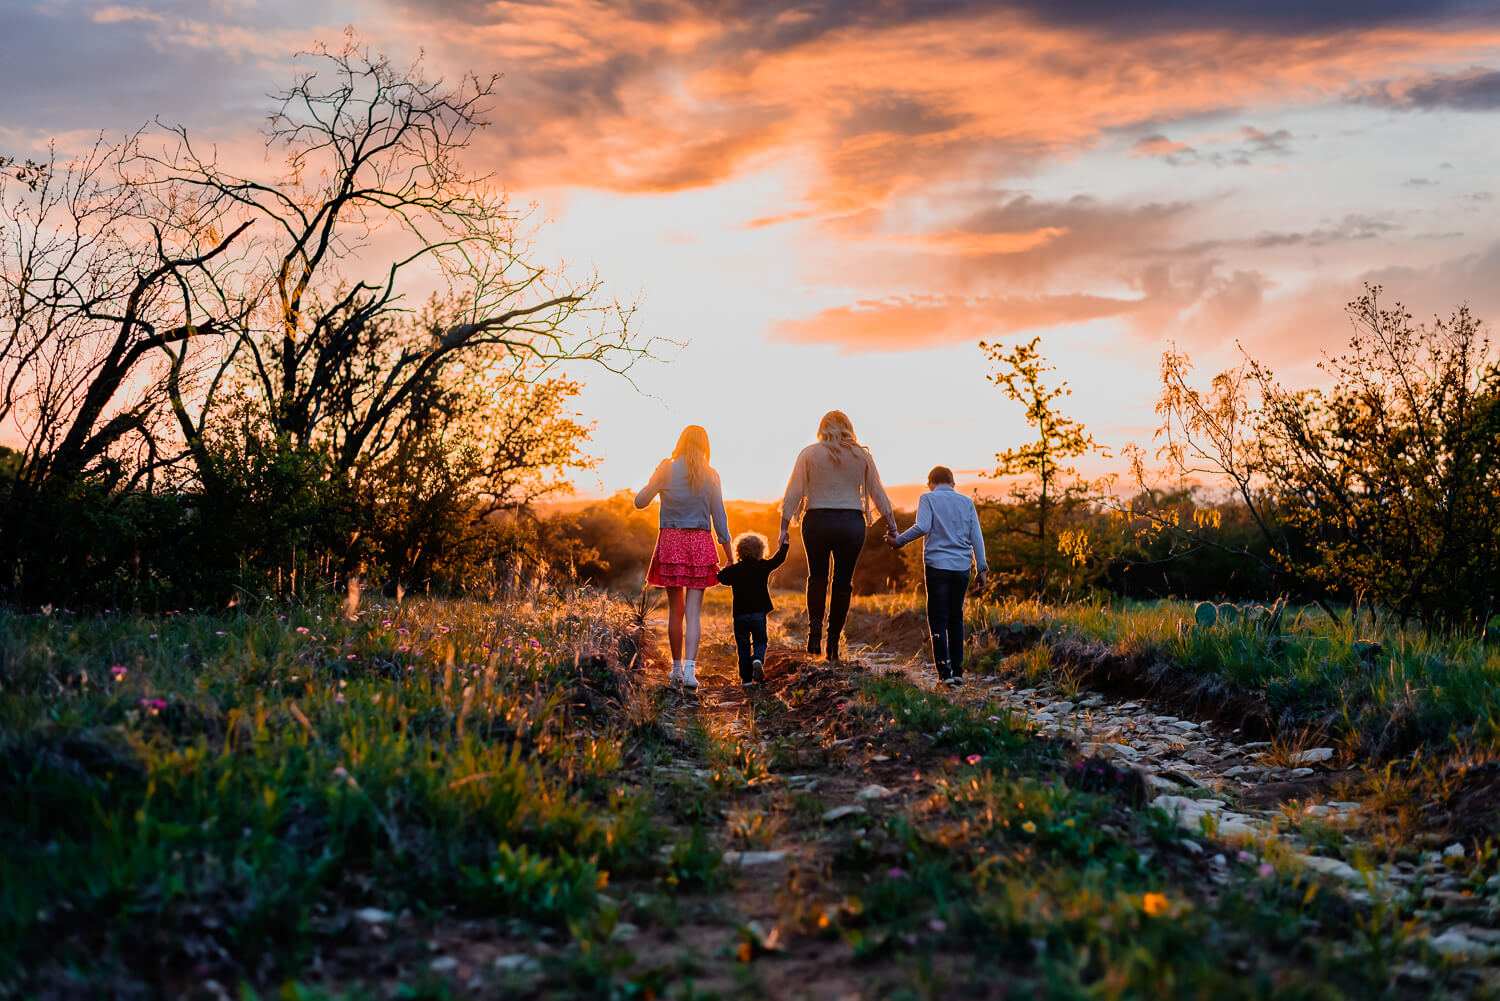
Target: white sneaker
689,681
676,677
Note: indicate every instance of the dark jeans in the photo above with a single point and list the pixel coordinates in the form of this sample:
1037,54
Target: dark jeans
750,640
835,533
945,617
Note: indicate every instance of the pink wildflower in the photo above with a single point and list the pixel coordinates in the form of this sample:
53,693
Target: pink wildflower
974,759
1266,870
118,672
938,925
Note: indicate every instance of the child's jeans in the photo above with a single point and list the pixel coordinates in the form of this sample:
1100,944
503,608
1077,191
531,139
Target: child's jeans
750,639
945,617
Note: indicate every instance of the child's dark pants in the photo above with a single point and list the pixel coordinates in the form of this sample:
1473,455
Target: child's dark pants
750,639
945,617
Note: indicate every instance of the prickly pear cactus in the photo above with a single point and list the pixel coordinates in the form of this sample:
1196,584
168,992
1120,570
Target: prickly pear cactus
1229,613
1206,614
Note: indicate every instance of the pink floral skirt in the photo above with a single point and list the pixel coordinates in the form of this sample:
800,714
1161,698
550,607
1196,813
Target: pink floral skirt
684,557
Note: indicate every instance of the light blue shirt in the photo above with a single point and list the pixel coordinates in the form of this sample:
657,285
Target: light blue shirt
951,524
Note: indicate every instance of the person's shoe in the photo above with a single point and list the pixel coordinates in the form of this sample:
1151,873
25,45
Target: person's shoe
833,647
757,671
953,680
815,638
676,677
689,679
748,686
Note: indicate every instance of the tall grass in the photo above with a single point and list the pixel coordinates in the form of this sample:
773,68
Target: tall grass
1395,687
194,792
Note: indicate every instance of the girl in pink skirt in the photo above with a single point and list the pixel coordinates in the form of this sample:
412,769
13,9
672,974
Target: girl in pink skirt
685,563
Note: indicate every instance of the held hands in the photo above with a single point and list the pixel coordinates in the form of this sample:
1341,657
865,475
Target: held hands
890,538
786,537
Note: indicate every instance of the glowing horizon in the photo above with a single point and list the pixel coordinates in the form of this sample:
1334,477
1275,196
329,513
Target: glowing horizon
830,205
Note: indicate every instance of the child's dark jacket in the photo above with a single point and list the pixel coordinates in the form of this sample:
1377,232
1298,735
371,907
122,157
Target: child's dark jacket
750,581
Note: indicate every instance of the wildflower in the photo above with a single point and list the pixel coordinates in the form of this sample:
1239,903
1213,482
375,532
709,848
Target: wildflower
896,872
118,672
996,719
1245,857
744,952
220,632
602,881
303,630
351,657
1029,827
672,880
534,644
339,700
1266,870
1155,904
974,759
386,623
823,920
1068,822
938,925
151,637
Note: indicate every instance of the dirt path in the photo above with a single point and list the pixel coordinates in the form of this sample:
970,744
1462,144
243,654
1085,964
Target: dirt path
814,786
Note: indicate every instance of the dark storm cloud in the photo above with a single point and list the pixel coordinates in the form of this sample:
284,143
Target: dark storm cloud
1476,89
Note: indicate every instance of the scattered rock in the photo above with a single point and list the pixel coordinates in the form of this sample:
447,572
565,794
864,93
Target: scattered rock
1332,867
624,932
1299,773
1242,771
443,964
1454,850
880,757
373,916
1190,846
744,859
1312,756
1455,944
840,812
517,963
871,792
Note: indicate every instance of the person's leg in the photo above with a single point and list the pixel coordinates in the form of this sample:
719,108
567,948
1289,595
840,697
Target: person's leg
847,541
957,589
674,621
937,623
693,607
744,638
758,649
819,547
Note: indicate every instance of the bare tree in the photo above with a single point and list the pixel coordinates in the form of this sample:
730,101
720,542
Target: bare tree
373,209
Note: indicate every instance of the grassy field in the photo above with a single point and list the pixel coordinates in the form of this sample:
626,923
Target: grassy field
457,799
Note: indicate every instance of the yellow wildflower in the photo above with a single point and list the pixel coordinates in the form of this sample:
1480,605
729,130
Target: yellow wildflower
1029,827
745,952
1155,904
1068,822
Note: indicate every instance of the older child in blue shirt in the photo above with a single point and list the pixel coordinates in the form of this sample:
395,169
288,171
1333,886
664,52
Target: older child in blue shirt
954,543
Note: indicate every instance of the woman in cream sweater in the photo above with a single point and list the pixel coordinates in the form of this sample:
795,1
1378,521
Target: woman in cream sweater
835,490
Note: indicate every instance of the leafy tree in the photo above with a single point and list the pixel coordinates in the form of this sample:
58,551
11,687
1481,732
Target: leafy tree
1046,492
1386,484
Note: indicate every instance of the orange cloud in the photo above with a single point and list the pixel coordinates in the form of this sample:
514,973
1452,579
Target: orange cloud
904,324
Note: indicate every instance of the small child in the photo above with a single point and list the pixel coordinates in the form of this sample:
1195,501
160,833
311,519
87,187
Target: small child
954,544
749,578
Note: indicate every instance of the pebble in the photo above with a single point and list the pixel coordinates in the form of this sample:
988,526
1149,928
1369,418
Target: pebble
1454,850
840,812
870,792
443,964
745,859
517,963
1299,773
1312,756
1455,944
373,915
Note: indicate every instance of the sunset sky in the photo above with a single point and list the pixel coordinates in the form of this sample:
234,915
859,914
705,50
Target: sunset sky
829,205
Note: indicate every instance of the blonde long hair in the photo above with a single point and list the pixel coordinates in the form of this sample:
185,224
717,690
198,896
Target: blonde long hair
836,433
692,445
